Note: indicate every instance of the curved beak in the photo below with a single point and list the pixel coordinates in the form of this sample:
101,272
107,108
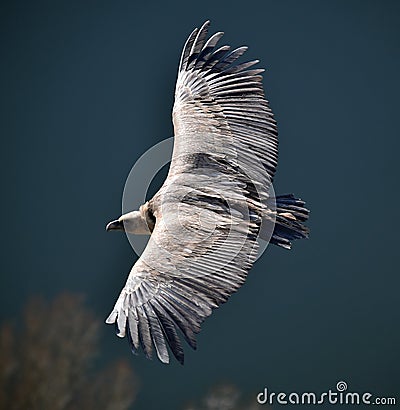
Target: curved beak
115,226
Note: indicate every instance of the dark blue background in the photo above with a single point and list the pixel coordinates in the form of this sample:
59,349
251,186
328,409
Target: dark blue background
87,87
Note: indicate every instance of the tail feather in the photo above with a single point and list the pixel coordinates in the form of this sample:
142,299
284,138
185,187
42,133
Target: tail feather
290,215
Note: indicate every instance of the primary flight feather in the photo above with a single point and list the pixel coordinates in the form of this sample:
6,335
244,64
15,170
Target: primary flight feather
215,203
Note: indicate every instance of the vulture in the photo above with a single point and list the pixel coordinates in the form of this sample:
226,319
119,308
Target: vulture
214,206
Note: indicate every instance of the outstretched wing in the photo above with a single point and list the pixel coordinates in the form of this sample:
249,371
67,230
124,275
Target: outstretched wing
224,103
202,246
208,212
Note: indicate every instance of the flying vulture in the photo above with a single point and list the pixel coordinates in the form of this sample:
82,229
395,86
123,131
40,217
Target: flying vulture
205,221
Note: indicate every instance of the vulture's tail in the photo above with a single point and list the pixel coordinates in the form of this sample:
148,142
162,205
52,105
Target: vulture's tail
291,214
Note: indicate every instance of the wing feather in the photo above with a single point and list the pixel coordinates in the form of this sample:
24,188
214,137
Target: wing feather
133,331
198,43
187,49
144,332
230,58
156,333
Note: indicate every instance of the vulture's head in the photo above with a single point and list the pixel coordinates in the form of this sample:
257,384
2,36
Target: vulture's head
132,222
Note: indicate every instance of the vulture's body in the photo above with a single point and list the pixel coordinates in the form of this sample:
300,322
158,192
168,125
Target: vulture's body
213,206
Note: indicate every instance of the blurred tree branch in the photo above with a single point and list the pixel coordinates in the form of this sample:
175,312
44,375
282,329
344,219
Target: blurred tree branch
47,361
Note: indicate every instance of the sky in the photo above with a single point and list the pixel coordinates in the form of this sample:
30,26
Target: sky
87,87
